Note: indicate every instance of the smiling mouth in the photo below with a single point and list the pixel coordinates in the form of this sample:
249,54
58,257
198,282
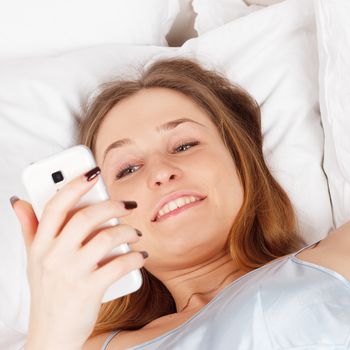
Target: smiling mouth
179,210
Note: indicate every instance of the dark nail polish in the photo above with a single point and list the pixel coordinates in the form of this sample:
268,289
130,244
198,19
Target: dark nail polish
13,200
144,254
92,173
130,204
138,232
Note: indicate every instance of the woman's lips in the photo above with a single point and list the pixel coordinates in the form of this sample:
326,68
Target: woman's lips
179,210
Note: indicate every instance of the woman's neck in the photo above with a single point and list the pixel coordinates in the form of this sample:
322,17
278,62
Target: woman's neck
196,286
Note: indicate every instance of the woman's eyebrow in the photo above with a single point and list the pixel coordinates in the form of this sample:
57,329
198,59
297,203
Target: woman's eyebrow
164,127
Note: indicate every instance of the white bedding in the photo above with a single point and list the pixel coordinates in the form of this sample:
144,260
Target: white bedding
212,14
334,50
272,52
50,27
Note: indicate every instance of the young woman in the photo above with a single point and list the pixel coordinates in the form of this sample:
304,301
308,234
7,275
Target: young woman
226,267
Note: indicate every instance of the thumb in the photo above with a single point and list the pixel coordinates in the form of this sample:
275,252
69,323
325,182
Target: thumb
27,218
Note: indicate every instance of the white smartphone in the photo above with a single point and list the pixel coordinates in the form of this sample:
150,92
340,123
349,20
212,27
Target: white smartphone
44,178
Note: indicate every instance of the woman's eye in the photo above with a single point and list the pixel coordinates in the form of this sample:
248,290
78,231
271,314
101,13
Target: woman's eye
194,143
121,173
125,168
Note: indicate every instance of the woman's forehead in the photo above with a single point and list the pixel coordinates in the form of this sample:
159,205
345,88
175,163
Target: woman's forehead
153,105
149,111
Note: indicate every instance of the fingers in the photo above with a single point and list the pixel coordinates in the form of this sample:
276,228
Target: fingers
82,223
28,221
57,208
104,242
117,268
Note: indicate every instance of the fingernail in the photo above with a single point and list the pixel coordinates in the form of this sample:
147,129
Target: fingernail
13,200
92,173
138,232
130,204
144,254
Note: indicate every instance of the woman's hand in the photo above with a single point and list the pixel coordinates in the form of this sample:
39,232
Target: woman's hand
66,282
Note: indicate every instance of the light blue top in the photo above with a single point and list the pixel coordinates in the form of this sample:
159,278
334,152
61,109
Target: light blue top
286,304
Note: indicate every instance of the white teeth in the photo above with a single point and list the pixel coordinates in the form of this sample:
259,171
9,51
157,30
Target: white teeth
177,203
173,205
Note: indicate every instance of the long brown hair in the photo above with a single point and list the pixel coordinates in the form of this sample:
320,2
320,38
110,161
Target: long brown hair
265,227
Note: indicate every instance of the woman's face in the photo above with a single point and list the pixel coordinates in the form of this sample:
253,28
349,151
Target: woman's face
157,165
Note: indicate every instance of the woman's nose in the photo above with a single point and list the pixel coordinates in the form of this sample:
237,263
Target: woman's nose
159,182
162,172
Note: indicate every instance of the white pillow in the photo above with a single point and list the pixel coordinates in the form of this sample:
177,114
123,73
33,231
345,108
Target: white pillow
39,99
334,74
262,2
47,27
212,14
10,339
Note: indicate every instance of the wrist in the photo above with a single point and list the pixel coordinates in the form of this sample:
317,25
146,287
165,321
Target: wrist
41,336
41,343
41,346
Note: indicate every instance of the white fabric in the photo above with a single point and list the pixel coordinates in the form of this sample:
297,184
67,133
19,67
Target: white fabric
212,14
10,339
46,27
334,51
262,2
40,97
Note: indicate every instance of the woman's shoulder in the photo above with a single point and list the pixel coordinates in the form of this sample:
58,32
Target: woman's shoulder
128,338
96,342
332,252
